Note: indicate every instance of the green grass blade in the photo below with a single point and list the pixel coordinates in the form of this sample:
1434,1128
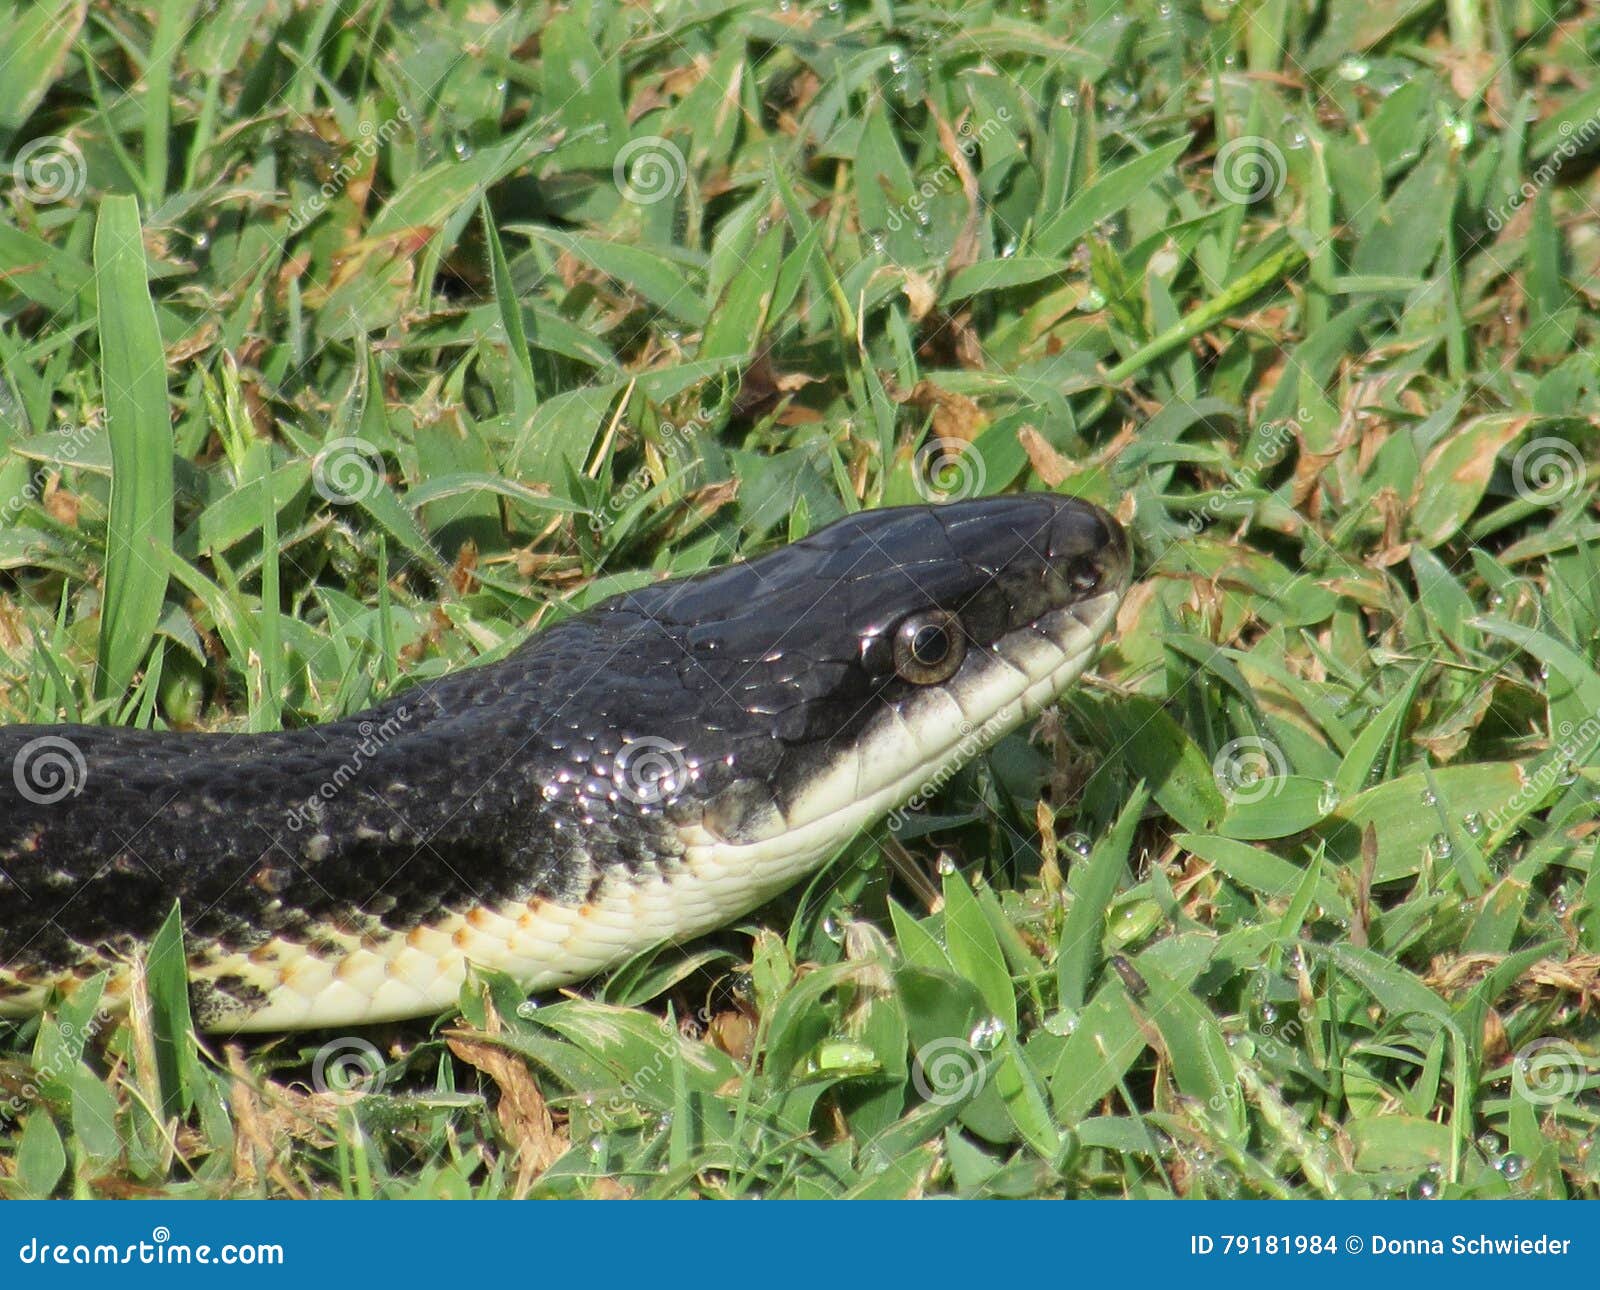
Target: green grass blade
134,386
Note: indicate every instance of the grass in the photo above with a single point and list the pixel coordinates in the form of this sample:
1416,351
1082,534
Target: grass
471,314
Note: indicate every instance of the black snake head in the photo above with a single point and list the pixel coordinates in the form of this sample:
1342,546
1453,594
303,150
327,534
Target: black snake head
806,692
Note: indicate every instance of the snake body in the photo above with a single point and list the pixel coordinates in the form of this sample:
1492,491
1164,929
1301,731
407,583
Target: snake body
640,772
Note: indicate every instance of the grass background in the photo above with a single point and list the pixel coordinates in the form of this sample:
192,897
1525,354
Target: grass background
341,344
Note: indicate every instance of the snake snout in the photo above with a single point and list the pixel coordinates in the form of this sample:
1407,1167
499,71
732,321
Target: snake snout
1089,546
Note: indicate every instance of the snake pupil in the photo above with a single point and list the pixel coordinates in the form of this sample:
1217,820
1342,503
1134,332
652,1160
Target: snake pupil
930,645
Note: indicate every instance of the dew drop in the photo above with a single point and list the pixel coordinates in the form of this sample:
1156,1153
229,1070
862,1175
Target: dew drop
987,1034
1062,1023
1328,800
1425,1188
1428,798
1512,1166
1441,847
1077,843
946,865
1473,824
1354,69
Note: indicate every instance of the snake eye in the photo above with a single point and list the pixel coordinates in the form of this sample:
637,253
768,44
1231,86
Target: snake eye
929,647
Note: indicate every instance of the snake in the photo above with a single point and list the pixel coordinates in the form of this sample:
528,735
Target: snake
635,774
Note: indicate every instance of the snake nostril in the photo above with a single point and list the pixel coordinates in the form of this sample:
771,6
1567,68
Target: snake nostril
1083,575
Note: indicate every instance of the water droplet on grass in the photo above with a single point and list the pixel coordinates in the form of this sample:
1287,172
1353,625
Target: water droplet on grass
1062,1023
987,1034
